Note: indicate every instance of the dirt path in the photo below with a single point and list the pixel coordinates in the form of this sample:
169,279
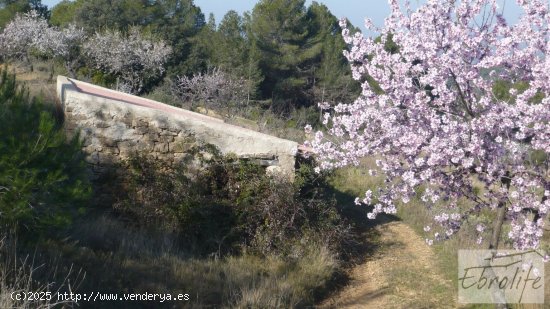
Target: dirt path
402,273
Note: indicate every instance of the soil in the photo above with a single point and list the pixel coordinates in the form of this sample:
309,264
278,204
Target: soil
400,274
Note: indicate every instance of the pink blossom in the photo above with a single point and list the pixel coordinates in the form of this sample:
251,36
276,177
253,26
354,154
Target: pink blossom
133,56
437,122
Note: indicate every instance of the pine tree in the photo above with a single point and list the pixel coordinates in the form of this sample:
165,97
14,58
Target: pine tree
96,15
300,54
64,13
235,53
178,22
43,180
278,28
331,75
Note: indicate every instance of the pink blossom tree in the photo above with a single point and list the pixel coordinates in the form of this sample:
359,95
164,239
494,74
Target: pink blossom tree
65,45
438,126
133,57
30,33
22,35
214,88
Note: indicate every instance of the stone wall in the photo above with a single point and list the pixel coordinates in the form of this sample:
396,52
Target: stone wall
114,125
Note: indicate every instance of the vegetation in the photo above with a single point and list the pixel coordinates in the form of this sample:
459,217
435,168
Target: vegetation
279,85
283,52
10,8
440,130
42,175
228,234
231,206
464,137
43,188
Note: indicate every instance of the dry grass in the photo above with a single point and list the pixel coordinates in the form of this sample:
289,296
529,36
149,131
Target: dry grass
41,81
18,285
355,180
118,259
252,282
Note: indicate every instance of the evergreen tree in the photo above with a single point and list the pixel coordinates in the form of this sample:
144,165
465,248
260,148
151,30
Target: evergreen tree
278,28
96,15
64,12
300,54
231,47
42,174
178,22
211,24
331,75
203,45
10,8
252,71
235,53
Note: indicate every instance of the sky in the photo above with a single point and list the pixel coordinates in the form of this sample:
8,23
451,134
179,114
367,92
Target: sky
354,10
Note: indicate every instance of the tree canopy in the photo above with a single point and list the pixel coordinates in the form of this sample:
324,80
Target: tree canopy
442,121
286,53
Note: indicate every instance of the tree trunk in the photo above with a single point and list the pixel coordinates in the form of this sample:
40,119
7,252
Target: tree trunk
497,228
495,238
70,70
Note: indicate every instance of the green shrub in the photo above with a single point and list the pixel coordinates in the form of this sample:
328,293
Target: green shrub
103,79
42,175
231,204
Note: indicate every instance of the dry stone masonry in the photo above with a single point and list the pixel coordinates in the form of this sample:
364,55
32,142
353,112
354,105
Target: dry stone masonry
114,126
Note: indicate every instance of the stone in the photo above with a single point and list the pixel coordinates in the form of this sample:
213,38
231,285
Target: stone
106,158
258,156
267,162
168,157
102,124
111,150
93,148
70,125
142,130
86,141
87,132
181,147
161,147
127,147
160,122
151,137
166,138
107,141
174,130
128,121
273,170
183,135
78,117
180,157
93,158
167,133
144,146
139,123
